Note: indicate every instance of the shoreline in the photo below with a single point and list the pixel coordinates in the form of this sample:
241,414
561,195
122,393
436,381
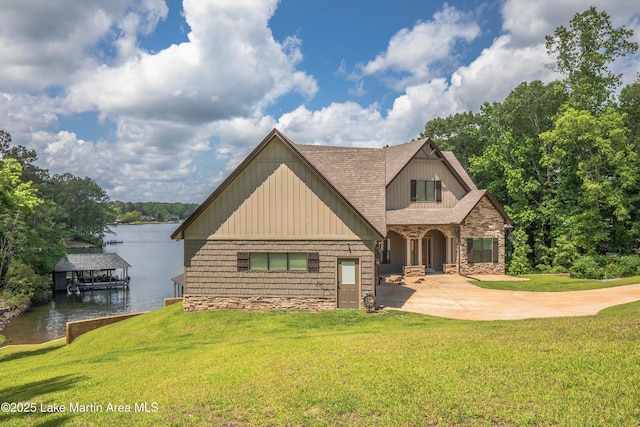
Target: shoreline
8,314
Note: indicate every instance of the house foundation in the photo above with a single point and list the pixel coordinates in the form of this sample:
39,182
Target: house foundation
202,303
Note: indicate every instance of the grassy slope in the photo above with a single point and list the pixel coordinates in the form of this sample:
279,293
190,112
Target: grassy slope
550,283
337,368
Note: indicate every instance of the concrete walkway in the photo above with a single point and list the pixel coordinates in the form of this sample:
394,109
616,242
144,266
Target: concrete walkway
454,297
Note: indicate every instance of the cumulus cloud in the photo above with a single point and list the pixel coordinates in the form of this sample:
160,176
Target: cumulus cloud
230,66
170,112
528,22
43,44
415,52
176,121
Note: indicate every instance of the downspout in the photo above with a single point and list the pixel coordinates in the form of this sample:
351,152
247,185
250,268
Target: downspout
459,250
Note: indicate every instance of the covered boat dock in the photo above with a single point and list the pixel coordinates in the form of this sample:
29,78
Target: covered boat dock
80,272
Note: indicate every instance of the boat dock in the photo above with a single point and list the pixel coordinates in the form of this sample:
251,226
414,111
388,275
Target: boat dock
88,272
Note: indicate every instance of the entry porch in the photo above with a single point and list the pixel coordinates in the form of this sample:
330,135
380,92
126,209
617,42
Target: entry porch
419,249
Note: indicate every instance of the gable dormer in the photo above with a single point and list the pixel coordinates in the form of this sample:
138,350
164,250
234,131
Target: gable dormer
422,176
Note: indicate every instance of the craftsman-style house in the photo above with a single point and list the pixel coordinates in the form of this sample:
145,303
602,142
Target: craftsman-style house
313,227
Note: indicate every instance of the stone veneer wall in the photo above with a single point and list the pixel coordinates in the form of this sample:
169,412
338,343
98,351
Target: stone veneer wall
201,303
212,279
413,270
483,222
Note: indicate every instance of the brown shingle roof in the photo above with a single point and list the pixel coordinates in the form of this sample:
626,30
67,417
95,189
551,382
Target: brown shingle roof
444,216
357,173
88,262
399,155
455,164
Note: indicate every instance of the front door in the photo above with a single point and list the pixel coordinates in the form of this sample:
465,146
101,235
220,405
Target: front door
348,283
427,253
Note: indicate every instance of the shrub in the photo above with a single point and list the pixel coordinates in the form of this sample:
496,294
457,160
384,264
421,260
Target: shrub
519,263
629,265
21,280
547,269
587,267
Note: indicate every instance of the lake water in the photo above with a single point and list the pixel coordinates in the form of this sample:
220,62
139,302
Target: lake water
154,260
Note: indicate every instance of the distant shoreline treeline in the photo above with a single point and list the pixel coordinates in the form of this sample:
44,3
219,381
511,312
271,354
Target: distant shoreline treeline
132,212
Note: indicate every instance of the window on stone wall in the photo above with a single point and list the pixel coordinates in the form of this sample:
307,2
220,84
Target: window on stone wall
277,261
482,250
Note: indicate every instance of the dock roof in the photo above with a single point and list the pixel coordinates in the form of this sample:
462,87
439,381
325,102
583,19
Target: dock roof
88,262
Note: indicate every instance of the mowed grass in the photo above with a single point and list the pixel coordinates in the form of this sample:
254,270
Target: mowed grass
349,368
551,283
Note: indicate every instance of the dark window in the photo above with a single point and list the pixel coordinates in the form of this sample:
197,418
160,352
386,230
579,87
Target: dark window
385,251
426,191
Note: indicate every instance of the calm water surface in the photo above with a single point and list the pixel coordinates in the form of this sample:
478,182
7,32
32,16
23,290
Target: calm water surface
154,260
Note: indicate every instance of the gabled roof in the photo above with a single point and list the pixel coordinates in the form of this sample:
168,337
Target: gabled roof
399,156
455,164
343,167
89,262
359,176
353,198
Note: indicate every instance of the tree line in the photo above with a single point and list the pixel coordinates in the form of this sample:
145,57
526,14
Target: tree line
130,212
562,157
39,211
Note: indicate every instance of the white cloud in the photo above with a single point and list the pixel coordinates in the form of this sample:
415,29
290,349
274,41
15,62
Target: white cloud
417,51
46,44
230,67
498,70
529,22
344,123
178,120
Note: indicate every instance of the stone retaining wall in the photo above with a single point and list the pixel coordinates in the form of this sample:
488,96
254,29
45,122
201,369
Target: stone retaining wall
413,270
202,303
450,268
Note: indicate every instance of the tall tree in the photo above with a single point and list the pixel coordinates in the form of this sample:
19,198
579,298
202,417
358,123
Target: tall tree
16,200
583,52
85,205
630,105
458,133
595,171
510,165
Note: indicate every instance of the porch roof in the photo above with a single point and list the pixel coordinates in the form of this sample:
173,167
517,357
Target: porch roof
444,216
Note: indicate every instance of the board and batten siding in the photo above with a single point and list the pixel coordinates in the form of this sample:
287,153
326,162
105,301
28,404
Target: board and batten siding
213,269
277,196
399,190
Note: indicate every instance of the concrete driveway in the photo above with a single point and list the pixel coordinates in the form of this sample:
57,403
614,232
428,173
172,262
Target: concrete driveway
454,297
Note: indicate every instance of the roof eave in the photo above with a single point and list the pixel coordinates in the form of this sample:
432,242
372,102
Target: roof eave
178,234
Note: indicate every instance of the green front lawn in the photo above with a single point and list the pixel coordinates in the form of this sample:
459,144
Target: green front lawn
550,283
234,368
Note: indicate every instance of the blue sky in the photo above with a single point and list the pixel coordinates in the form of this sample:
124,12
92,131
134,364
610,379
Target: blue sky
160,100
